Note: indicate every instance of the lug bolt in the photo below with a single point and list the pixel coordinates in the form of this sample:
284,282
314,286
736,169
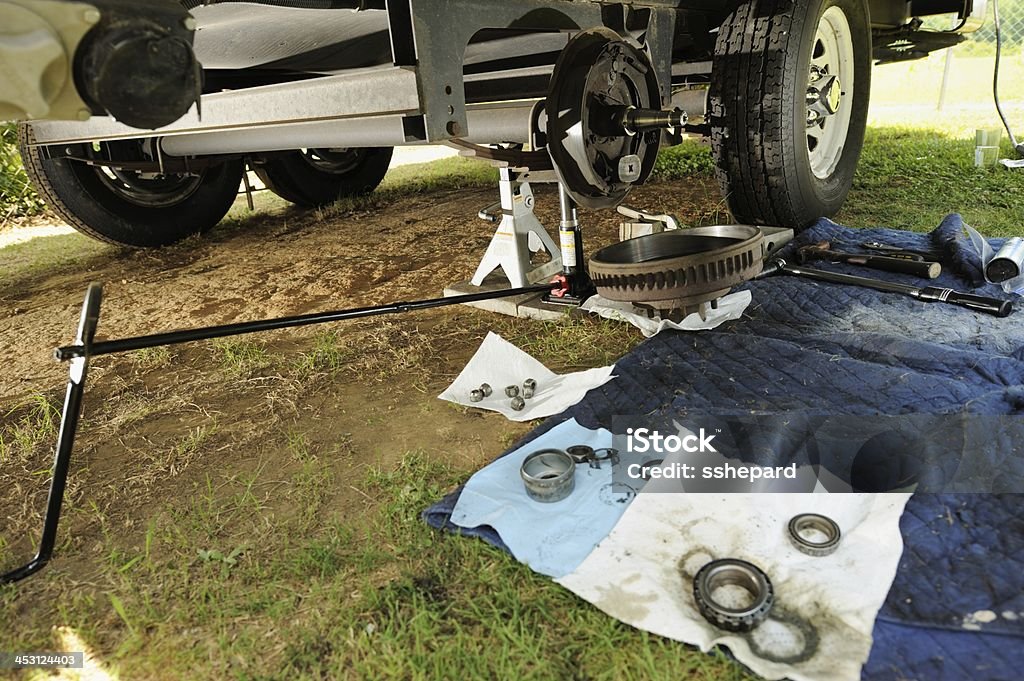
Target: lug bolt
518,403
512,391
476,395
486,389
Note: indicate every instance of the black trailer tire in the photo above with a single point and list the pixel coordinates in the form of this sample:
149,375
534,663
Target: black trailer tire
125,209
773,165
317,177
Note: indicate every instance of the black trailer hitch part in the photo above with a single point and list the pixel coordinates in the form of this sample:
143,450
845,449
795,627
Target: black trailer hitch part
85,348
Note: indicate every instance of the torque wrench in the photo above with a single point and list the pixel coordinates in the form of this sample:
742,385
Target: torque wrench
928,294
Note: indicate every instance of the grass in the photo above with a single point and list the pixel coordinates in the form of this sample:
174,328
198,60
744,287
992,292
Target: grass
910,179
329,355
241,357
387,599
29,425
297,564
573,343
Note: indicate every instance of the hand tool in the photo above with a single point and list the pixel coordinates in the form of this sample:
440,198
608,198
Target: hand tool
900,252
823,251
1007,263
85,348
928,294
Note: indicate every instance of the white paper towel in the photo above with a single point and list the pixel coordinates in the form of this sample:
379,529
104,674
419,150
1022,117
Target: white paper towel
499,363
824,609
730,307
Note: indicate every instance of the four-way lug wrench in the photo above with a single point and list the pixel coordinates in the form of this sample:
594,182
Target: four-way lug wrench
85,348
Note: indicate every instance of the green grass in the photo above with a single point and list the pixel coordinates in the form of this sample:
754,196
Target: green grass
227,595
241,357
910,179
17,196
27,426
573,342
329,355
681,161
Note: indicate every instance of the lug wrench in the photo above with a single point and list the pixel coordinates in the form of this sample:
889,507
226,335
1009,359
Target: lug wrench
85,348
928,294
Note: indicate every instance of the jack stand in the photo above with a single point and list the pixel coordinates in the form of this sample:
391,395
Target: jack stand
578,285
518,232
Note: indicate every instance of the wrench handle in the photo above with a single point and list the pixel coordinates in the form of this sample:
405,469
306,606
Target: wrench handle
993,306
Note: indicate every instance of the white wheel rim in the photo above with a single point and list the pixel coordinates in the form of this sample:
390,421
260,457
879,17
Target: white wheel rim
831,55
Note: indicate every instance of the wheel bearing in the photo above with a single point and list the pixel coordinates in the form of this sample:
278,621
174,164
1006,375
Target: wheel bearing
798,524
549,475
733,572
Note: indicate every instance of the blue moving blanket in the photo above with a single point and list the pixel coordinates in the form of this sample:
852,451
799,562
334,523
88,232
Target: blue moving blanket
956,607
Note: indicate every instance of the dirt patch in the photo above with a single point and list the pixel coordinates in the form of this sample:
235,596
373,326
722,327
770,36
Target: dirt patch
266,414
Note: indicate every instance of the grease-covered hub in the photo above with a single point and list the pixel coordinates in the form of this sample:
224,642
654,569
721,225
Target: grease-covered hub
678,272
604,118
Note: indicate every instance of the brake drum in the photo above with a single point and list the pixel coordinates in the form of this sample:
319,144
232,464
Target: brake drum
681,271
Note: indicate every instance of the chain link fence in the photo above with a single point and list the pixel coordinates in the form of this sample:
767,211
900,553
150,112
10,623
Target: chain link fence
1011,14
951,90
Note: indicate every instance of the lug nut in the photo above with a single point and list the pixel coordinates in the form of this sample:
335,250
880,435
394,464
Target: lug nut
512,391
518,403
530,384
476,395
527,393
486,389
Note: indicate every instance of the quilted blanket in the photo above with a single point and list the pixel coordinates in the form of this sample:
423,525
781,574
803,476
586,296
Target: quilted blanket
956,608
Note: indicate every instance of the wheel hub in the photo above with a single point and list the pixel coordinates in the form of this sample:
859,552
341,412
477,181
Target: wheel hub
675,273
604,118
150,190
337,161
823,98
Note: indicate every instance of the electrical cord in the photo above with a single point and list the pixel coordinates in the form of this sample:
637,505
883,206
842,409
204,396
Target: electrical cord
995,79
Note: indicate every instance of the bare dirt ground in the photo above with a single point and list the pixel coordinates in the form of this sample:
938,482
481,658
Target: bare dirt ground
163,426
